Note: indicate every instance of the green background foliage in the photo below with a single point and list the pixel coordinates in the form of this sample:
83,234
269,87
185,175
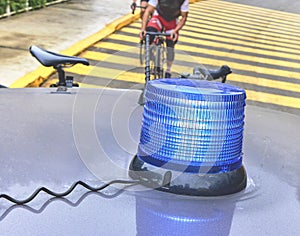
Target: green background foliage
3,5
17,5
22,5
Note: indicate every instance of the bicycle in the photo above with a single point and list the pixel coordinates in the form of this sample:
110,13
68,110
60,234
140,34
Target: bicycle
200,74
155,54
155,60
58,62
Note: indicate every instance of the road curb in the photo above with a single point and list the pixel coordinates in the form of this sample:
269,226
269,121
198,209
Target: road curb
38,76
41,74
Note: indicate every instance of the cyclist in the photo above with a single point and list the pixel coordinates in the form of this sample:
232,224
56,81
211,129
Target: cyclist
144,4
165,14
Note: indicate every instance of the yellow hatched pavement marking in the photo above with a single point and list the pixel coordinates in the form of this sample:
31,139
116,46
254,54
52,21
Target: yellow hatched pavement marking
251,95
207,42
238,39
122,60
237,16
215,30
259,69
273,99
265,82
114,46
107,73
252,9
287,47
236,27
261,39
268,28
240,66
233,77
131,62
98,56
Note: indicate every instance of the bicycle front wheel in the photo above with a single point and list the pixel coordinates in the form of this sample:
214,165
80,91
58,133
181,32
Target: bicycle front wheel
142,52
159,62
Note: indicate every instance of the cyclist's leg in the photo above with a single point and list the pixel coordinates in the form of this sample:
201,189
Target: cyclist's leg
170,56
169,26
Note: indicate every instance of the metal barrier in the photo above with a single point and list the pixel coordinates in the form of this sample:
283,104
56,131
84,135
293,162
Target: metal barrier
11,7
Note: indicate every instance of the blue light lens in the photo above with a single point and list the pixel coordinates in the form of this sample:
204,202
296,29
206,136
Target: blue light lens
191,124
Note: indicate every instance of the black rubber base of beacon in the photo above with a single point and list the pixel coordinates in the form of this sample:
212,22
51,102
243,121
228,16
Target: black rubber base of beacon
192,184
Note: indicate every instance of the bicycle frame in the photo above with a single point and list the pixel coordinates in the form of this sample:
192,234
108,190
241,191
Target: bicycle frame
147,51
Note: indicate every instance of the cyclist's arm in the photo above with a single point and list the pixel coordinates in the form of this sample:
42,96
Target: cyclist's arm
184,14
181,22
149,10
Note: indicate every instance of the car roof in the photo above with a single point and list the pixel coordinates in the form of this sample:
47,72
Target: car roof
54,140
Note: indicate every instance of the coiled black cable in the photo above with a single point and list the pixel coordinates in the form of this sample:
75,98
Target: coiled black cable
64,194
65,200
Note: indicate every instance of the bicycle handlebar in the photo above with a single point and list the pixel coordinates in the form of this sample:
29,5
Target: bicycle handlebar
133,6
157,33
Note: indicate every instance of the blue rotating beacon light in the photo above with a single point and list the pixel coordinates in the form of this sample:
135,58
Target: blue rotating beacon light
191,138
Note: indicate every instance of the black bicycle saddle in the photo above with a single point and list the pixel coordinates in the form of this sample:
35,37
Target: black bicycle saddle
221,72
48,58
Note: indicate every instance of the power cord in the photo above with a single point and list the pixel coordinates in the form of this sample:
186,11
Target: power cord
66,193
65,200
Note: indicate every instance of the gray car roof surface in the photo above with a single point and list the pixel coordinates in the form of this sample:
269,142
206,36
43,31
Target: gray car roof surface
53,140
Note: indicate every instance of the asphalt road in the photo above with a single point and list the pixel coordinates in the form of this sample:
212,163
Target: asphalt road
55,28
260,45
258,40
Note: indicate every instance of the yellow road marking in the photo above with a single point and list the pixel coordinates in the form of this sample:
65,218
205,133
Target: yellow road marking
99,56
269,27
240,35
136,77
217,35
252,9
180,69
246,67
236,27
139,78
107,73
206,40
114,46
240,66
112,58
231,47
273,99
262,60
131,62
239,16
265,82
